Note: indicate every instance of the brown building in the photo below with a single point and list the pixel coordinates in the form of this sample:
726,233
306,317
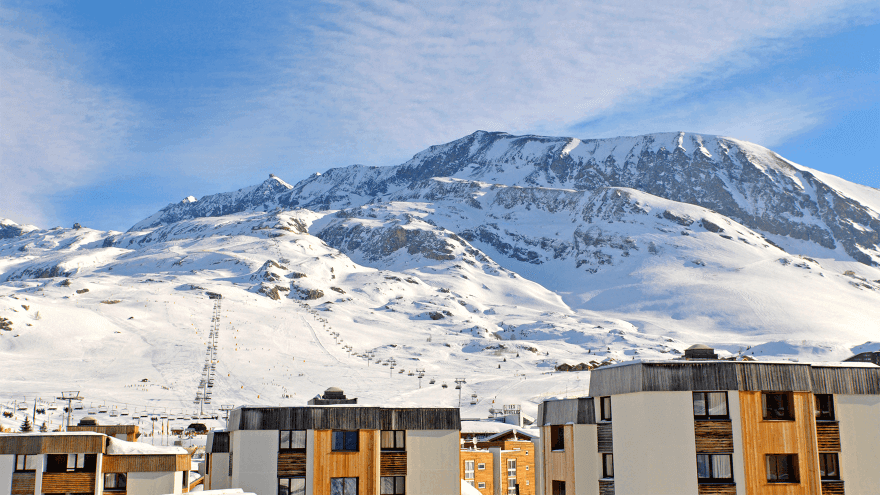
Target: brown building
477,469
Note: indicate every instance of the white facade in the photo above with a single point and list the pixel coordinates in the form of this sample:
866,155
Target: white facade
739,469
587,459
654,441
219,475
859,419
155,483
432,462
255,460
7,465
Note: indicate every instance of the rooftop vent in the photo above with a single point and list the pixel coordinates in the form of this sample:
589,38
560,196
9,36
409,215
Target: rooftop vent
88,421
700,351
333,395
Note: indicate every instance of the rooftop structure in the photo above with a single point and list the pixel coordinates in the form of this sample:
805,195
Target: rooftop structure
332,396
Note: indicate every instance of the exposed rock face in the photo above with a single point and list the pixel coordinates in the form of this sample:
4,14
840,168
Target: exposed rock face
742,181
10,229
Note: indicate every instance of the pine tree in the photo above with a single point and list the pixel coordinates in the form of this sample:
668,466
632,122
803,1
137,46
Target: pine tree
44,428
26,426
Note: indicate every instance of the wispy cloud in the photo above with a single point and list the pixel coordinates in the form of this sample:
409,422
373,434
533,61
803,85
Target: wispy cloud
56,130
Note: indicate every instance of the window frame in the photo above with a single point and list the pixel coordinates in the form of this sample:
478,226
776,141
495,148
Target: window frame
116,477
605,408
398,440
288,447
788,410
825,414
26,466
399,487
773,460
357,484
346,435
607,461
288,479
471,470
557,438
823,456
705,399
481,466
481,485
714,478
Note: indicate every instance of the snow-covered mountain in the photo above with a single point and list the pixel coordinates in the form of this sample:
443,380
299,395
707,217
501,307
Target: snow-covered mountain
493,257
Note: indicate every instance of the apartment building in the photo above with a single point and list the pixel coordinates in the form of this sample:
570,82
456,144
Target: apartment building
89,462
706,426
478,469
337,450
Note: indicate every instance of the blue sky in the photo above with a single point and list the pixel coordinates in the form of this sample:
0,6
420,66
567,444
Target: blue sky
111,110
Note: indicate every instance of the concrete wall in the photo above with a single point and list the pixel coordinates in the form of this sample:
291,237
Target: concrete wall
432,462
220,471
739,472
255,461
310,462
154,483
654,443
539,462
40,467
859,418
587,460
7,465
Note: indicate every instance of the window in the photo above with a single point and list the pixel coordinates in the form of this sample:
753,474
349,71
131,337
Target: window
114,482
345,441
481,466
393,440
607,465
710,405
292,440
26,462
343,486
292,486
511,477
481,484
605,406
828,468
824,407
71,463
777,406
714,468
782,468
557,438
558,487
468,470
392,485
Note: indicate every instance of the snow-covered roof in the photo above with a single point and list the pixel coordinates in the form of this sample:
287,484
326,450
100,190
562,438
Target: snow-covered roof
494,428
121,447
521,433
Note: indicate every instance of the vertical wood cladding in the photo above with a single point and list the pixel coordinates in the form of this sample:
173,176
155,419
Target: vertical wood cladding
606,487
363,464
828,436
716,489
291,464
52,444
480,475
713,436
762,437
68,482
847,381
559,465
149,463
603,431
832,488
392,464
23,483
344,418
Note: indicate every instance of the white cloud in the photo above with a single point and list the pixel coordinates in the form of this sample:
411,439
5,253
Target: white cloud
56,130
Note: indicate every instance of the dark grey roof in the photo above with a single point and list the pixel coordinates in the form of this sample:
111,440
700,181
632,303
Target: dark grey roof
663,376
578,411
344,418
217,442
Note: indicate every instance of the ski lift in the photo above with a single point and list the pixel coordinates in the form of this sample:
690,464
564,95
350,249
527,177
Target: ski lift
444,385
163,416
432,381
411,374
52,407
473,399
457,386
91,412
401,372
114,413
23,407
102,410
77,406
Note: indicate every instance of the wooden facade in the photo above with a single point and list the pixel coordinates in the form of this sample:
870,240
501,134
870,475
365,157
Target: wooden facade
52,444
828,436
291,464
69,482
832,488
151,463
606,487
525,469
392,464
716,489
713,436
344,418
762,437
23,483
605,437
485,475
580,411
131,432
363,464
558,465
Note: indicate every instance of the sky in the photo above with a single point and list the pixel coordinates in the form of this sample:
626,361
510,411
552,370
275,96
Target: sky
111,110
